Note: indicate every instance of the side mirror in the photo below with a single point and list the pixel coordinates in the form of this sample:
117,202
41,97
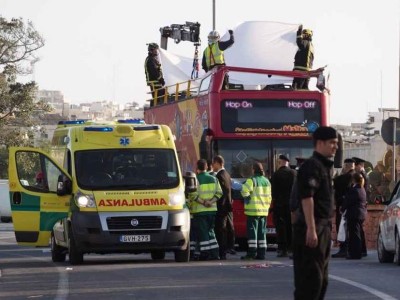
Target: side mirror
64,186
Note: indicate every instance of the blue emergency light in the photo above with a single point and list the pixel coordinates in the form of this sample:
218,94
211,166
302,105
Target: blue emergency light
98,129
131,121
76,122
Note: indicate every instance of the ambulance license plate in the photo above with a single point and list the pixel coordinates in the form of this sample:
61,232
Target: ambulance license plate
271,230
134,238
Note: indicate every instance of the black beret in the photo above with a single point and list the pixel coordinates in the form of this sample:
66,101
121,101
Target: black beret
325,133
358,160
349,161
283,157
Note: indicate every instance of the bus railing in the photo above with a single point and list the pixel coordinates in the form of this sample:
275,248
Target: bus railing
188,89
182,90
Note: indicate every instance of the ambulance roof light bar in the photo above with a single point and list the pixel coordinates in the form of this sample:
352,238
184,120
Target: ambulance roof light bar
98,129
131,121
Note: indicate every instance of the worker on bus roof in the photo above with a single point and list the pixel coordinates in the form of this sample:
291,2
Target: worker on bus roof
154,74
213,55
304,58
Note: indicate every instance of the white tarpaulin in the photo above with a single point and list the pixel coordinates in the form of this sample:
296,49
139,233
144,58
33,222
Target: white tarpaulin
258,44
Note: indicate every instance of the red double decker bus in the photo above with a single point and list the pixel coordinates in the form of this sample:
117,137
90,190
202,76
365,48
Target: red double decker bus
245,115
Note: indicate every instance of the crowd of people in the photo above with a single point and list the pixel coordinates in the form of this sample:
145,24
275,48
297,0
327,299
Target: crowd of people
303,201
212,235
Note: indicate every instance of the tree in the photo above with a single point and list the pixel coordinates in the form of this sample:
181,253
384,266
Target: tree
18,106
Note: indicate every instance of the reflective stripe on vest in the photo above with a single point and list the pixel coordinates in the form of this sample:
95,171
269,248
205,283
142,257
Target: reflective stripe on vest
260,198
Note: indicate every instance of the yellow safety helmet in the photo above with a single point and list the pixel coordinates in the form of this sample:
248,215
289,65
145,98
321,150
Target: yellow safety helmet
307,32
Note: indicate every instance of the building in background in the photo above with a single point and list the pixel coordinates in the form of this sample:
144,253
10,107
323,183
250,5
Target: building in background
360,139
54,98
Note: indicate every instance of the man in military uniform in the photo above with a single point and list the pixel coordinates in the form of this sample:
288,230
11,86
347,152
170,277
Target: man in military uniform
312,227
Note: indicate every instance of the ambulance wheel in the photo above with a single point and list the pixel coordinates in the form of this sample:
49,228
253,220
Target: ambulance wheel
157,254
58,253
182,255
75,256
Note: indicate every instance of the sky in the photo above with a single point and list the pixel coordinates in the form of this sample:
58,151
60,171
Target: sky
95,49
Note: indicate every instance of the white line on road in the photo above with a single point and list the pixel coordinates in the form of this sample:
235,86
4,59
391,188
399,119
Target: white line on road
63,279
366,288
44,250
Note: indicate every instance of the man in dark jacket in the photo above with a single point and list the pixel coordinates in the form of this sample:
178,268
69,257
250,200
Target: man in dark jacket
355,208
312,228
282,181
154,76
341,184
360,168
224,229
304,58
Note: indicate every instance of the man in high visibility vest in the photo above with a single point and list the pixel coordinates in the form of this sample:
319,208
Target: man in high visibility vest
203,206
256,192
213,55
304,58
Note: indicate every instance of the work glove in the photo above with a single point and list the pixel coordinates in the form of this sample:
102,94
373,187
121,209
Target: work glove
162,81
300,29
247,200
230,31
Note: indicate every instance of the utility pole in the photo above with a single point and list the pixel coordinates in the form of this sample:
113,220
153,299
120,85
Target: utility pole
214,15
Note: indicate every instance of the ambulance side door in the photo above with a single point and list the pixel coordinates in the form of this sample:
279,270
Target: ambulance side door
35,205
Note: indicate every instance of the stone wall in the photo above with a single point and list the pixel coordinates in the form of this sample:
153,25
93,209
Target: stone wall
371,225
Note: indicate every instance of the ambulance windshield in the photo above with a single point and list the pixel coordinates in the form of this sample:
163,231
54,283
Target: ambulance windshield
126,169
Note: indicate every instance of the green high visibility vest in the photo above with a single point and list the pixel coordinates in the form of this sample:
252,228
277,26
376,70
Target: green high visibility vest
214,55
208,189
257,194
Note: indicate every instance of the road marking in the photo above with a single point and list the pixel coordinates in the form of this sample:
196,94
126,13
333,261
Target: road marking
44,250
364,287
63,279
63,284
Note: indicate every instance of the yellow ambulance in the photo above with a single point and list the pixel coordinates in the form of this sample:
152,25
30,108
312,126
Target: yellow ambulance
103,188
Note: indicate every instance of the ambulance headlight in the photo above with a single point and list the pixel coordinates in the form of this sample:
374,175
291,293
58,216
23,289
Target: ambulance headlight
82,200
177,198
